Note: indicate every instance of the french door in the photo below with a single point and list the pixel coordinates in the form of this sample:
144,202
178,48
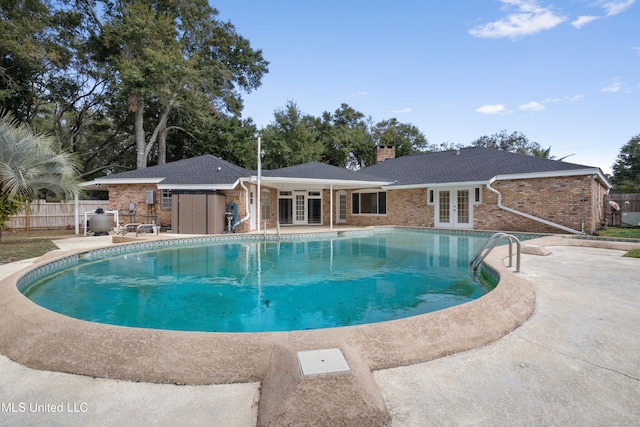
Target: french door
453,208
341,207
299,208
253,220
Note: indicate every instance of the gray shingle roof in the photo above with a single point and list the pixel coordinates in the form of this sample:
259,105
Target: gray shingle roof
206,169
317,170
470,165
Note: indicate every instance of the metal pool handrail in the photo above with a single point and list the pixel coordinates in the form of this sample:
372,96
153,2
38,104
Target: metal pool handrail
491,243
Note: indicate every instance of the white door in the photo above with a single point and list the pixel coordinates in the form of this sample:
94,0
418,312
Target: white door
252,208
453,208
299,208
341,207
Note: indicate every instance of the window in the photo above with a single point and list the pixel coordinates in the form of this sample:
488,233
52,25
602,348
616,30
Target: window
369,203
265,204
166,198
477,195
431,197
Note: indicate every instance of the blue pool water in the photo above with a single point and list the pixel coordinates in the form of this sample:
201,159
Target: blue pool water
269,285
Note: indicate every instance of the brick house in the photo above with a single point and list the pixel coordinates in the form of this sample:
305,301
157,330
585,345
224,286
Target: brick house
472,188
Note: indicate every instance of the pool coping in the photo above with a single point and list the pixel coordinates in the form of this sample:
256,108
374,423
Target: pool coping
41,339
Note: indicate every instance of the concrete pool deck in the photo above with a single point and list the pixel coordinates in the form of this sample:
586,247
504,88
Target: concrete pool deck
575,361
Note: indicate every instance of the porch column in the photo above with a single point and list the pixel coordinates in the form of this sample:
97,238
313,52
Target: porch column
330,206
76,213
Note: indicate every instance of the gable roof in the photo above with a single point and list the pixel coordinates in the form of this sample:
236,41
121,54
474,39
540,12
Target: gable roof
470,165
202,172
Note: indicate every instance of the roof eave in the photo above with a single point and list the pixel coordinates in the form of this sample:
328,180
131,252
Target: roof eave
319,182
596,172
210,187
434,185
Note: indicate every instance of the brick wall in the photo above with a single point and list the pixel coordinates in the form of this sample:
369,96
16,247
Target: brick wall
558,200
385,152
566,201
121,195
404,207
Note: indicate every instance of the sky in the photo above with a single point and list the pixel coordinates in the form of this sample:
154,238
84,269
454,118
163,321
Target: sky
566,74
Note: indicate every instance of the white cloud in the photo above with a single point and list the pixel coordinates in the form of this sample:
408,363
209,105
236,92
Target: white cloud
584,20
353,95
614,87
573,98
611,7
404,110
532,106
614,7
491,109
527,18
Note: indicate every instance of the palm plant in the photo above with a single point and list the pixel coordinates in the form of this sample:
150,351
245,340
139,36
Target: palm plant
31,166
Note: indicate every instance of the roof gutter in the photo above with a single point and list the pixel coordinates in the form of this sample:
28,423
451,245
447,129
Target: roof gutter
534,218
246,205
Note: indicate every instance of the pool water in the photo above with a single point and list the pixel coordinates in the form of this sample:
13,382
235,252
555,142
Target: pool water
270,285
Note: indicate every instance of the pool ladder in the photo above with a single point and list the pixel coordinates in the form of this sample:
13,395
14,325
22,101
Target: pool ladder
491,243
277,228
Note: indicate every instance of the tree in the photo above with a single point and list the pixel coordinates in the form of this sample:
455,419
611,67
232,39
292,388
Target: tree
291,139
346,138
626,169
23,55
516,142
229,138
166,56
406,138
31,166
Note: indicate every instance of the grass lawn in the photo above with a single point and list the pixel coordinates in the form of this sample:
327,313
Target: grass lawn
628,233
19,245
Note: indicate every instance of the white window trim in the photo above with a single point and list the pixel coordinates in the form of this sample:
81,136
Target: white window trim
479,201
166,202
262,202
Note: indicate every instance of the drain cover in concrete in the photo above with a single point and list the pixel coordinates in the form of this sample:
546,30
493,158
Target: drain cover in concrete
314,362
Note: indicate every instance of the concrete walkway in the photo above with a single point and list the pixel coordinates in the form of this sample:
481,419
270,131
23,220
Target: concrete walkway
575,362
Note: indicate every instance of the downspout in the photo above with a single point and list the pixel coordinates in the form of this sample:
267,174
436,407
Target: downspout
534,218
246,205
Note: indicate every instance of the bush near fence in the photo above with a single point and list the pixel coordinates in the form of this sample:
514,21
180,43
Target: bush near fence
43,215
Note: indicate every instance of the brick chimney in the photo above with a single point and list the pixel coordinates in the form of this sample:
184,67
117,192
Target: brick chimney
385,152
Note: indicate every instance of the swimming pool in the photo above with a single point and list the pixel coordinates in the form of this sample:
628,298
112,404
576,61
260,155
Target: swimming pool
257,286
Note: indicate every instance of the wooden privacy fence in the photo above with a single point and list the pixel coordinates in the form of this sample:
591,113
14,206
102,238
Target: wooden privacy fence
45,215
626,203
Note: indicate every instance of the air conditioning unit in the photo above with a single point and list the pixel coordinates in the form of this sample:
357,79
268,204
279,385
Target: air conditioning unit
151,197
631,218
